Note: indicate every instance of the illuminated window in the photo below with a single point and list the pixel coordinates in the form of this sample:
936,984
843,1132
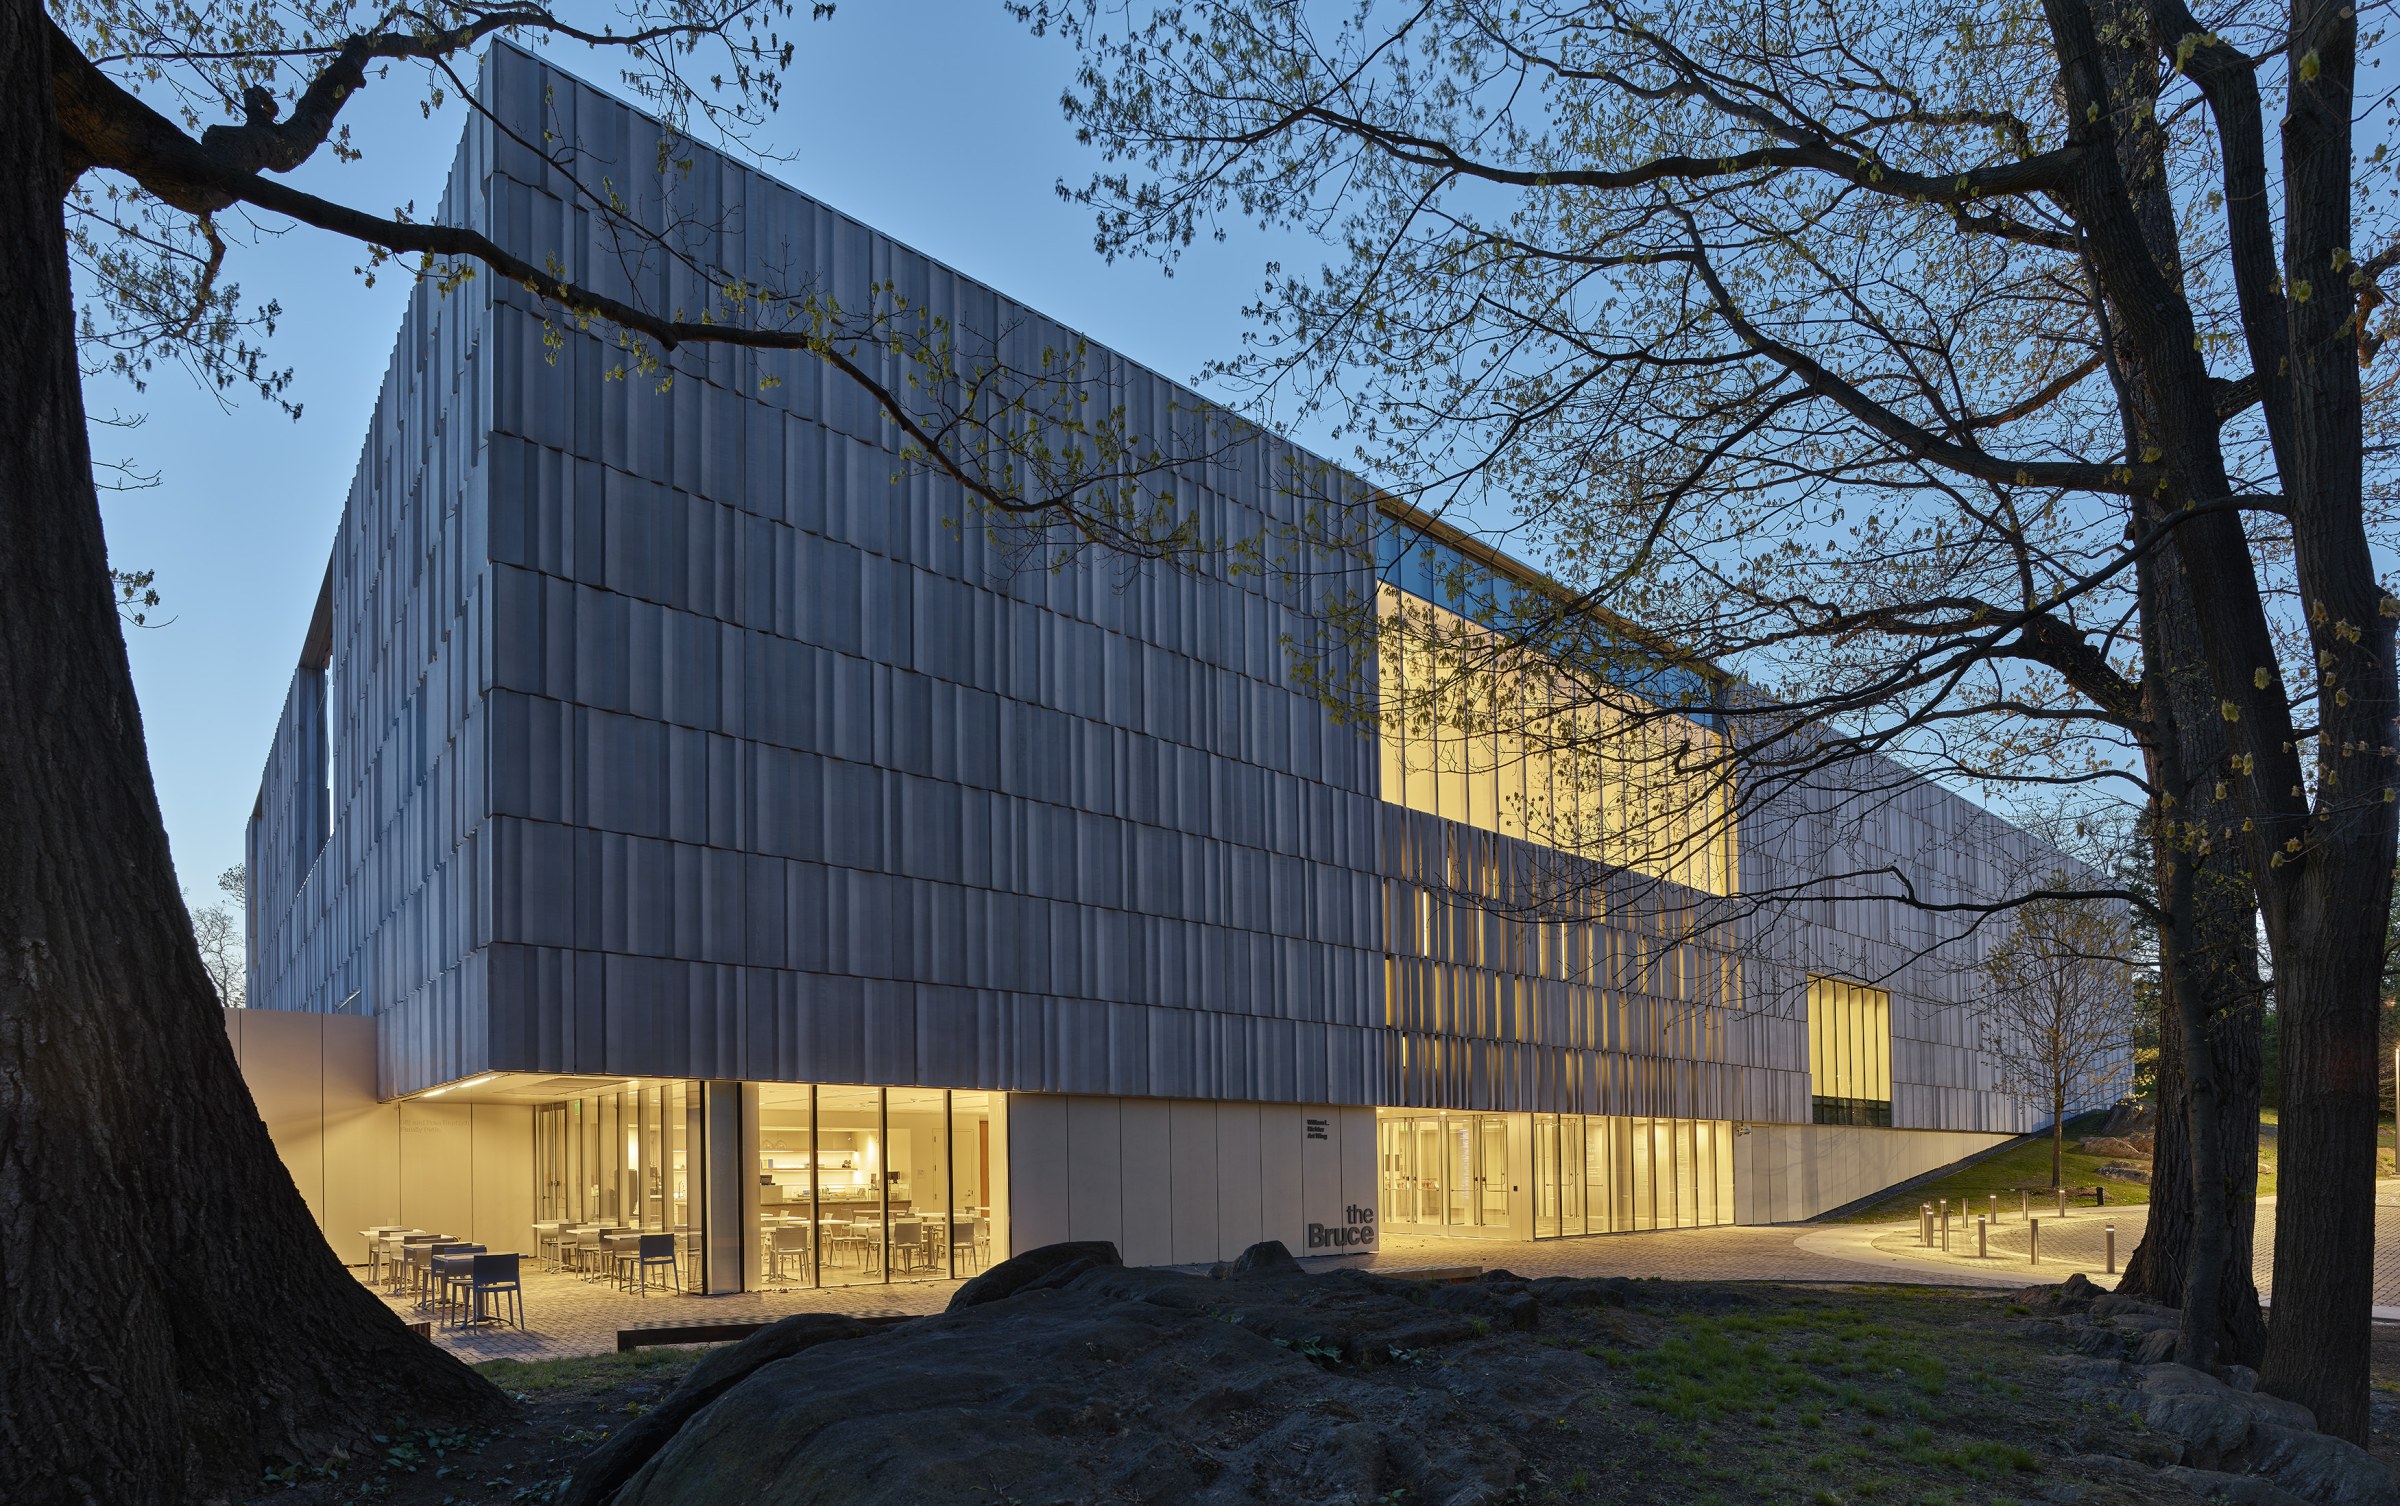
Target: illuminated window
1849,1053
1504,749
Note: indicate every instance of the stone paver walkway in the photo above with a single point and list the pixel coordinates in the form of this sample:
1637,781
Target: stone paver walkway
565,1315
1785,1252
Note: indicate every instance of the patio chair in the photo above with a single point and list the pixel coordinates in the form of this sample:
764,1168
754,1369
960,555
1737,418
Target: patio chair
790,1243
494,1276
657,1250
449,1274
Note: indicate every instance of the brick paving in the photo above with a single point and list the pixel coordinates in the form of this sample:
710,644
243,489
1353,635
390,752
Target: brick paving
1773,1253
565,1315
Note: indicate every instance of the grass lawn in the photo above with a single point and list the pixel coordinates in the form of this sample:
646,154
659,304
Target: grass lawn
1693,1394
2029,1165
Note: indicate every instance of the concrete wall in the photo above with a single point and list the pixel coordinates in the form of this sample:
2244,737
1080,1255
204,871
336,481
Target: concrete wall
455,1168
1786,1172
1172,1181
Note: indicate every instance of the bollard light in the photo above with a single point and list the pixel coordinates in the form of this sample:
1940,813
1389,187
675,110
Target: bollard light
1994,1211
2024,1204
2033,1242
2112,1249
2062,1202
1925,1225
1983,1229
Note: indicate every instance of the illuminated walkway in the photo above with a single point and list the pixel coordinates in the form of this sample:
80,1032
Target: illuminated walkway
567,1316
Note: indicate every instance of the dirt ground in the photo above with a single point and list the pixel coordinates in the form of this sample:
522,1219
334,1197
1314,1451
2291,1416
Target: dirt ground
1701,1395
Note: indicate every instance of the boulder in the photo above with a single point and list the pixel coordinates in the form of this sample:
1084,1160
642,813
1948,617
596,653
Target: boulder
1266,1257
2225,1429
2241,1490
1045,1266
1127,1384
610,1465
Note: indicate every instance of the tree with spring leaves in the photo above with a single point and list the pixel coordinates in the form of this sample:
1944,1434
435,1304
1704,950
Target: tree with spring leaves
2057,1009
173,1319
1982,384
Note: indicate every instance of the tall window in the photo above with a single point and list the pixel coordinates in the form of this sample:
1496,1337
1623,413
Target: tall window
1849,1053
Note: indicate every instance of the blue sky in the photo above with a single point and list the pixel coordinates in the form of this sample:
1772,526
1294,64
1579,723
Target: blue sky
937,123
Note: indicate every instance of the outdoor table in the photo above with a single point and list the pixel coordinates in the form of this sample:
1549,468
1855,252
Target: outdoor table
620,1248
443,1270
375,1236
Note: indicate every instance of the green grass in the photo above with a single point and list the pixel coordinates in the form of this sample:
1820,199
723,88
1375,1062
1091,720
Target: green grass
2025,1166
2029,1165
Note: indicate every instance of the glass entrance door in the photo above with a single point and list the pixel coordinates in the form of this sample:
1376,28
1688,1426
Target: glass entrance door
1492,1183
1458,1172
1394,1147
1426,1167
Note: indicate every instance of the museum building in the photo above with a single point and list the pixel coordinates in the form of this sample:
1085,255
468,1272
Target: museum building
687,815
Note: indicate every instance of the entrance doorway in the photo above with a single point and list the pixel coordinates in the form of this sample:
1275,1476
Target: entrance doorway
1447,1173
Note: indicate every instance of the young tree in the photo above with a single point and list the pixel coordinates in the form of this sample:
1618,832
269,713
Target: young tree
1976,383
218,929
171,1315
2057,1011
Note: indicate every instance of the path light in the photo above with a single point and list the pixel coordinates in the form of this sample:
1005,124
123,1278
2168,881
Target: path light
1982,1232
2112,1249
2033,1246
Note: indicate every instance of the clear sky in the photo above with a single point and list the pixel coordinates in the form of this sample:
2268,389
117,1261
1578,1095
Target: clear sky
936,123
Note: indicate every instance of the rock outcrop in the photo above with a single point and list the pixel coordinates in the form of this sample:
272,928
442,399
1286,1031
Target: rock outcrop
2228,1439
1065,1376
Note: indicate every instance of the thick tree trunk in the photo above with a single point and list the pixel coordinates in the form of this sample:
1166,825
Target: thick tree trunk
2328,900
2325,992
2160,1264
171,1316
2206,1174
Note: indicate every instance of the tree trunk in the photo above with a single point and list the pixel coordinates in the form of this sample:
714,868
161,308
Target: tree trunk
172,1318
2058,1139
2208,972
2160,1263
2318,1342
2207,956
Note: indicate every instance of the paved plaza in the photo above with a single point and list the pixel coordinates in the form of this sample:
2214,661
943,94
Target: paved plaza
566,1315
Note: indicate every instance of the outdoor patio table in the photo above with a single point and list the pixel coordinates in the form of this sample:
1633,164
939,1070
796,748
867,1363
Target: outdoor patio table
448,1270
621,1249
375,1236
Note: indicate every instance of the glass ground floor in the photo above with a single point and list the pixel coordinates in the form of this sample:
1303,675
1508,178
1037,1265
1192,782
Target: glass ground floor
830,1185
1544,1176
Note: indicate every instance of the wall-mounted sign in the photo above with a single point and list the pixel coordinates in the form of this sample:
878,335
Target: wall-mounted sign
1317,1129
1355,1231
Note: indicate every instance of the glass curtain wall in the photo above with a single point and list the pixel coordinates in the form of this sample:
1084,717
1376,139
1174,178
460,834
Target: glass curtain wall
861,1186
1592,1174
1604,1175
620,1159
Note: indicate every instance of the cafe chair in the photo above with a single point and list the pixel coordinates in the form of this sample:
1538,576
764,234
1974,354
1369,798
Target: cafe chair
791,1243
494,1277
658,1250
